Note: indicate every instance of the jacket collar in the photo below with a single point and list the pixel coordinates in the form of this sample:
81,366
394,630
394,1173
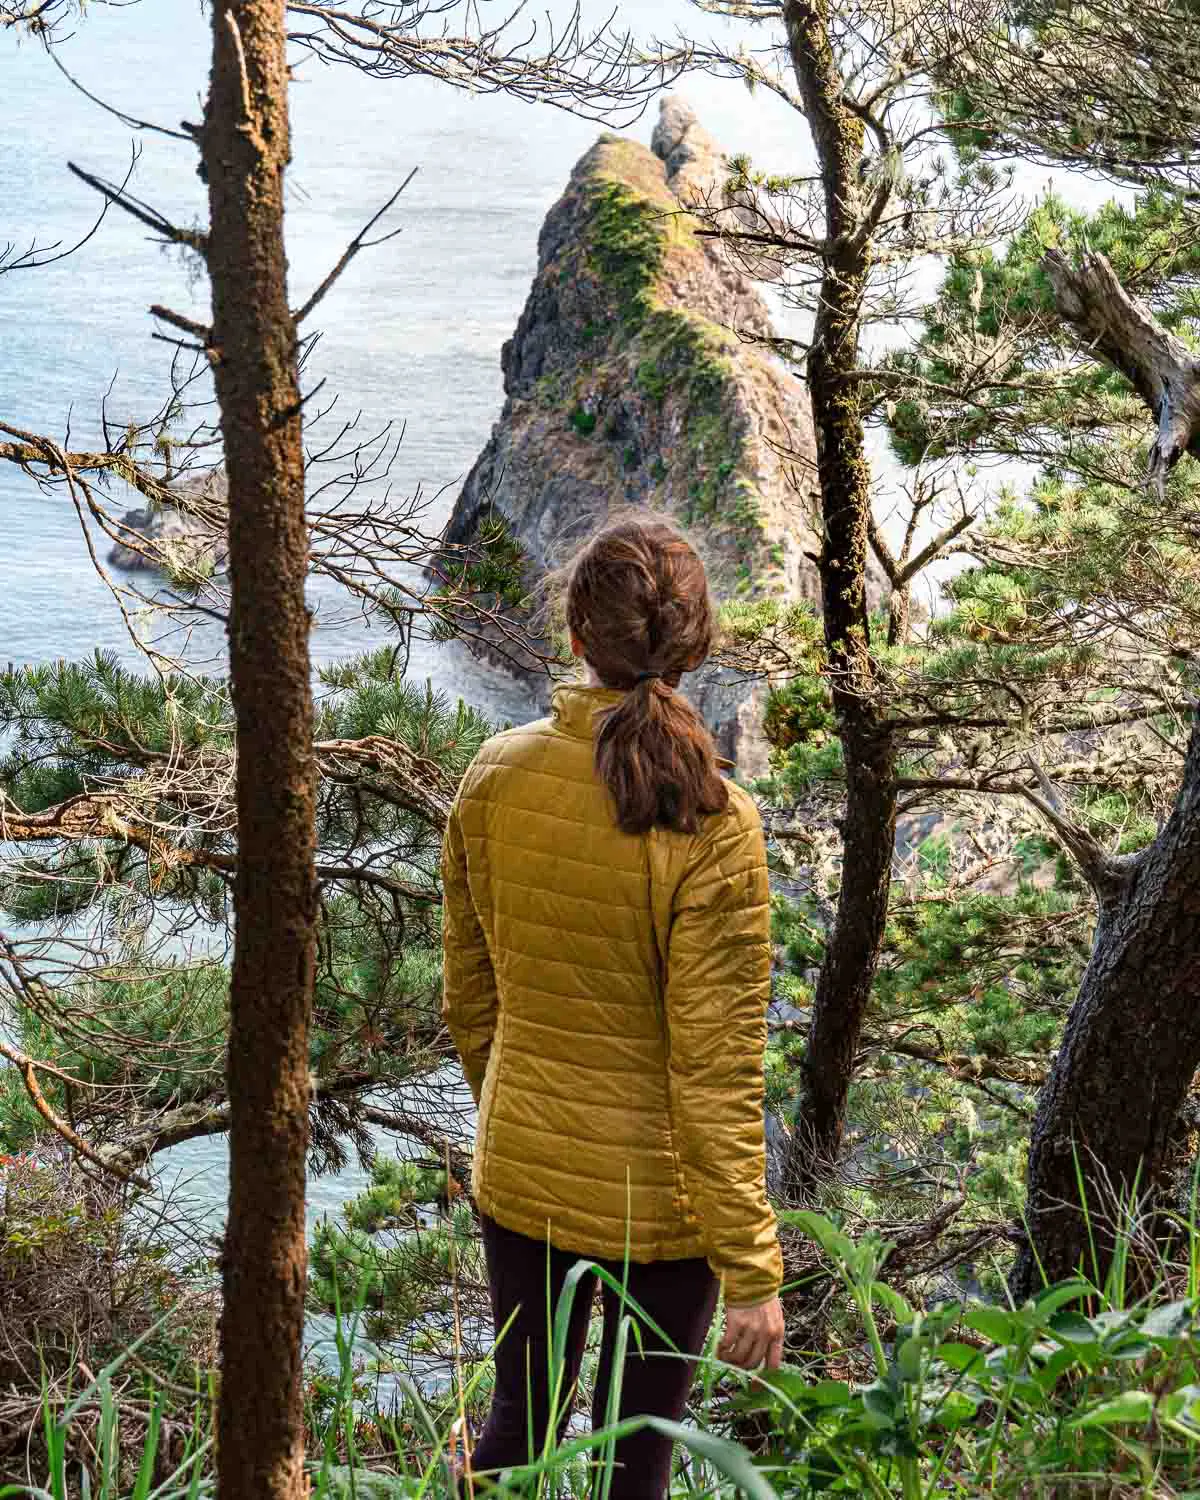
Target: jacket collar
574,703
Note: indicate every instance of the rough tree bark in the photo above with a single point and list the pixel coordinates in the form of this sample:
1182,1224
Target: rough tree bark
246,149
1128,1055
869,832
1132,1041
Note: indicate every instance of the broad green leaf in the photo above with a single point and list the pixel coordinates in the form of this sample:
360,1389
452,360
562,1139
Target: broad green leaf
1181,1404
1130,1346
793,1385
1074,1328
1169,1321
889,1297
941,1319
879,1405
836,1245
908,1360
959,1356
994,1323
830,1393
1129,1406
1061,1360
1047,1303
953,1409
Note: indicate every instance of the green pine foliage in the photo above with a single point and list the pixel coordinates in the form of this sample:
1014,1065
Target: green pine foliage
133,1011
401,1269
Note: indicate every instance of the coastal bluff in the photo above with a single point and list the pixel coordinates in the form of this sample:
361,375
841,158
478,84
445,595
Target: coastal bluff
627,385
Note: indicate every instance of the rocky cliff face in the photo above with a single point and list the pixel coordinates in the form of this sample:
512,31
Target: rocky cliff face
624,387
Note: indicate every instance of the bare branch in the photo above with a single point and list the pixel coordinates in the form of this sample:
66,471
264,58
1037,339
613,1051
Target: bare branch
28,1068
34,258
132,121
887,559
186,325
934,548
359,242
170,233
595,73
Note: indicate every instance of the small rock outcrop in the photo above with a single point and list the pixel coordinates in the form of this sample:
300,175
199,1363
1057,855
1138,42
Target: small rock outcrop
626,386
190,538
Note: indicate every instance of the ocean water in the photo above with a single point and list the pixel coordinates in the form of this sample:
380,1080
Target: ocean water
411,335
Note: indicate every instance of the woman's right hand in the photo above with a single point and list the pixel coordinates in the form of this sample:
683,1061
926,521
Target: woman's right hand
753,1336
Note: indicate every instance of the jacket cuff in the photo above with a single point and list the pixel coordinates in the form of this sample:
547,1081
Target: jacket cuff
751,1288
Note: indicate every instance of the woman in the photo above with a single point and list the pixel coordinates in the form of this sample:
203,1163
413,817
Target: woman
607,966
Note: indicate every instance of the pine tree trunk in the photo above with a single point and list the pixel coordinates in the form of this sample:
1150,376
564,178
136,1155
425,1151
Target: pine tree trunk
246,149
851,956
1108,1117
1109,1111
852,952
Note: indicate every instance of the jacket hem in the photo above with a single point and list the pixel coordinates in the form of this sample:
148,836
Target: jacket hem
594,1246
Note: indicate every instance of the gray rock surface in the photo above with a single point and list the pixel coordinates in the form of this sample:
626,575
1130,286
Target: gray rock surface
190,537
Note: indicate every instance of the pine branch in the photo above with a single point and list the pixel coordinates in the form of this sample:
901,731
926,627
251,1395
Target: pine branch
118,817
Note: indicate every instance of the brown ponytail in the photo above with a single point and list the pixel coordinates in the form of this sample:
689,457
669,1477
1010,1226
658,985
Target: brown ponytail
638,603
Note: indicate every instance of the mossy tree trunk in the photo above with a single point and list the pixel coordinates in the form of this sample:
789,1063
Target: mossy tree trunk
852,951
246,150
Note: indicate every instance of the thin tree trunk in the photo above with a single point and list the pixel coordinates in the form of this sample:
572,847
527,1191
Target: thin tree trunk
246,149
1108,1114
852,952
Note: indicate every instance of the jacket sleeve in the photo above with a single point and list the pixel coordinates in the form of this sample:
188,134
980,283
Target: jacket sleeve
469,1000
718,985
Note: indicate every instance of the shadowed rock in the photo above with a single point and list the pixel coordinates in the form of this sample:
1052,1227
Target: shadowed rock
191,538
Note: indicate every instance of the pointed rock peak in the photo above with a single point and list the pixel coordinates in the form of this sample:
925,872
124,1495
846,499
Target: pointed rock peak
694,161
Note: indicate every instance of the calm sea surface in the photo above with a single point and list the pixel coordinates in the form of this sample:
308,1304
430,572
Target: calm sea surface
411,335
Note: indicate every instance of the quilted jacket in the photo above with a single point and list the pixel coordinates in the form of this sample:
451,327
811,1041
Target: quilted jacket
607,994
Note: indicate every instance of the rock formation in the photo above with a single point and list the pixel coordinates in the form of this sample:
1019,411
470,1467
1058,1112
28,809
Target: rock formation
626,386
188,539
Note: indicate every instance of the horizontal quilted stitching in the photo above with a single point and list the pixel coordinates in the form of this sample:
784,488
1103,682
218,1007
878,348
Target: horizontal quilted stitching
608,1108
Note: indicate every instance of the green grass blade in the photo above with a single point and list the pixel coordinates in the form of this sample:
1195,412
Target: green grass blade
145,1474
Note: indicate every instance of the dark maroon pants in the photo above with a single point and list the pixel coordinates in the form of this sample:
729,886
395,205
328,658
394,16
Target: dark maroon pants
679,1295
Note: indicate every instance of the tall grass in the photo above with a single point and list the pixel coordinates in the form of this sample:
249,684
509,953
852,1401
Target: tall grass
1085,1390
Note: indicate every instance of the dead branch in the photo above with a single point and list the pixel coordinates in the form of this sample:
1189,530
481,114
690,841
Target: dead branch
34,258
171,234
120,817
597,74
28,1069
358,243
1120,330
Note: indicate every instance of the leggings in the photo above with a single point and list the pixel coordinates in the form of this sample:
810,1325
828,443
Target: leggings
679,1295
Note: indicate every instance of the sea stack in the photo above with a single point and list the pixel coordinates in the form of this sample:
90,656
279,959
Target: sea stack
627,384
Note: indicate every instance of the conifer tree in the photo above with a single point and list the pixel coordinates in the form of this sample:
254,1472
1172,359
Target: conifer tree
1058,677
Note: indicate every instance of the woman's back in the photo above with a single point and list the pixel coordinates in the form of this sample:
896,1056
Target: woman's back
611,1008
607,971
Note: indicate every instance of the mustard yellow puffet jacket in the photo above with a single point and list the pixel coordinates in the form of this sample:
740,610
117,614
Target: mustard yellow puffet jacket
607,993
